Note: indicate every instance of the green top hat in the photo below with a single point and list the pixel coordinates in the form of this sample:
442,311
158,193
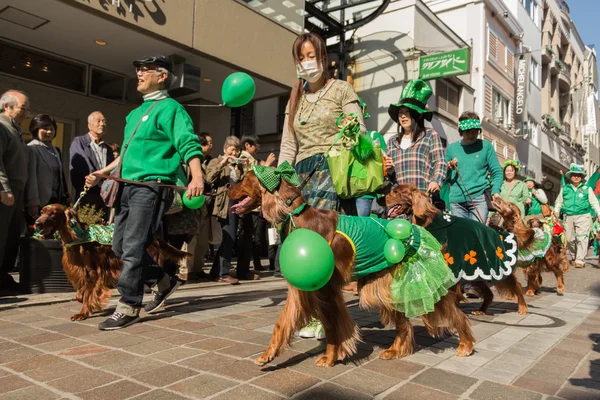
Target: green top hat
515,163
575,169
414,96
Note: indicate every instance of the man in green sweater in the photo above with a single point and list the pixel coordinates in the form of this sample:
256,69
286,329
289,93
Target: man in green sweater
576,201
158,135
474,159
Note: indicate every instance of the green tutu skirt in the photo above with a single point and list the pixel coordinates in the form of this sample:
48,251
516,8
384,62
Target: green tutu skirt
538,249
423,278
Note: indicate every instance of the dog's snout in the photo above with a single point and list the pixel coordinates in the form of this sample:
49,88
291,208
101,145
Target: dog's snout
37,225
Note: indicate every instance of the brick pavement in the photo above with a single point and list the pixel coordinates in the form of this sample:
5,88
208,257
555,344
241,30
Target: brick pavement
204,343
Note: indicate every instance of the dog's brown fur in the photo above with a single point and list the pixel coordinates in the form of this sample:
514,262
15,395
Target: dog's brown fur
554,261
409,200
93,269
327,304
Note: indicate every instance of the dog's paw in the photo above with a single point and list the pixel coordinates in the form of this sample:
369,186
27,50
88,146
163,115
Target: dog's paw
324,361
263,360
560,289
523,309
78,317
530,293
478,312
464,350
389,354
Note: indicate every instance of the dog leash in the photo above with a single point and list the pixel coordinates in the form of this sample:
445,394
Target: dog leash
469,195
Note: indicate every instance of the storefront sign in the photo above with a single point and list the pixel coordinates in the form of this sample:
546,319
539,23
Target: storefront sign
521,85
442,65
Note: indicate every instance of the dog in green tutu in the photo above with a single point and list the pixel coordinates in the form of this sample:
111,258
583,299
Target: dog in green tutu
415,285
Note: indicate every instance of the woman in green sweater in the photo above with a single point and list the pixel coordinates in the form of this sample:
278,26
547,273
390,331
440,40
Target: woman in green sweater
514,190
476,159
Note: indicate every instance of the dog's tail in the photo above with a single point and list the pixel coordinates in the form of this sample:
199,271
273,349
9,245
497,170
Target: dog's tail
161,251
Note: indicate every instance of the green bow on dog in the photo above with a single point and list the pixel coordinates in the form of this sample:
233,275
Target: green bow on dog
271,178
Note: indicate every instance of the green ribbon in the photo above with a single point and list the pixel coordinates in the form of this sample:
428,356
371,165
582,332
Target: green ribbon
271,178
468,124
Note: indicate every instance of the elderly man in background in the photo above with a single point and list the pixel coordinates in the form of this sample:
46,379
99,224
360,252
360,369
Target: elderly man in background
14,157
90,153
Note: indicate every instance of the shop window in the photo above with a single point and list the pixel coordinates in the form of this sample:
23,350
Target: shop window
107,85
34,65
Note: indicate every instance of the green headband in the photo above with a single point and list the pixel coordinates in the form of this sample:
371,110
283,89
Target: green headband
467,124
271,178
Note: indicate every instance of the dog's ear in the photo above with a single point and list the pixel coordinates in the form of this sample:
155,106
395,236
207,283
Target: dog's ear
420,203
71,214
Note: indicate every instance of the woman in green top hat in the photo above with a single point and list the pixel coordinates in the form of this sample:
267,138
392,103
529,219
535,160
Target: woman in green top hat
513,189
576,200
537,196
416,154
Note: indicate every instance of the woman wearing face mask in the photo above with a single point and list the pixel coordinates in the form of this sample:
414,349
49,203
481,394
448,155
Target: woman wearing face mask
474,159
310,127
416,154
514,190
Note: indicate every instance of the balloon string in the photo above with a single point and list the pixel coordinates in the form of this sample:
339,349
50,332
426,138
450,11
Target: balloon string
204,105
378,223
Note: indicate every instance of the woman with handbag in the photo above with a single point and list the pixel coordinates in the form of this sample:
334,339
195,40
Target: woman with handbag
539,200
513,189
46,183
310,128
416,154
470,161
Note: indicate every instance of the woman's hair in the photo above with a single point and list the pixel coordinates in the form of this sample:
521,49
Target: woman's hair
41,121
114,147
418,125
468,115
231,141
252,140
202,137
321,51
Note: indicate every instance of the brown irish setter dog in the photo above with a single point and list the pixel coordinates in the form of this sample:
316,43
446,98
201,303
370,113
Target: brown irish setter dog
408,200
327,304
92,268
554,261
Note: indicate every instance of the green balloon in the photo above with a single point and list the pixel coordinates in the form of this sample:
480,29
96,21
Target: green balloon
306,260
393,251
399,229
238,89
194,203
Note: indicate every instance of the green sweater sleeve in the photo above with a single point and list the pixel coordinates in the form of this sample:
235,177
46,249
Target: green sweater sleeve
182,134
495,169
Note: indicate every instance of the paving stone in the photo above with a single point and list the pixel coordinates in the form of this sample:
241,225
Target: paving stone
165,375
212,344
307,366
31,392
176,354
159,395
4,346
571,393
330,391
61,345
425,359
242,370
18,354
399,369
84,351
54,371
444,381
202,386
149,347
286,382
33,363
495,391
134,365
192,327
82,381
242,350
39,339
207,362
247,392
365,381
184,338
115,391
160,333
12,382
410,391
537,385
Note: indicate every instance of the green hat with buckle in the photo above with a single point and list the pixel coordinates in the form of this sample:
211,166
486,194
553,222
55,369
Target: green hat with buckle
576,169
414,96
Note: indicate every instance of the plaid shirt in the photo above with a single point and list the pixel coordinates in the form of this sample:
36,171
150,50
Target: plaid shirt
423,162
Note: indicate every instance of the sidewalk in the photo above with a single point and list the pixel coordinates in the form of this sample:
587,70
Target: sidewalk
204,343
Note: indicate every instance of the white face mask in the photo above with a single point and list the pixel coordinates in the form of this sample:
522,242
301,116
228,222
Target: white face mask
310,71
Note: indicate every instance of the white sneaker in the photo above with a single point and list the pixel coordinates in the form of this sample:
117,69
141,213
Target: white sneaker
309,330
320,332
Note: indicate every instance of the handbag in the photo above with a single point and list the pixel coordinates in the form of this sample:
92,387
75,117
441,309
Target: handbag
110,187
353,177
546,211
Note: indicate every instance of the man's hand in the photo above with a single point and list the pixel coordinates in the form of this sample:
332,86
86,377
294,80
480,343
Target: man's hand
270,160
195,187
452,163
7,198
528,201
389,165
33,211
497,196
92,180
433,187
